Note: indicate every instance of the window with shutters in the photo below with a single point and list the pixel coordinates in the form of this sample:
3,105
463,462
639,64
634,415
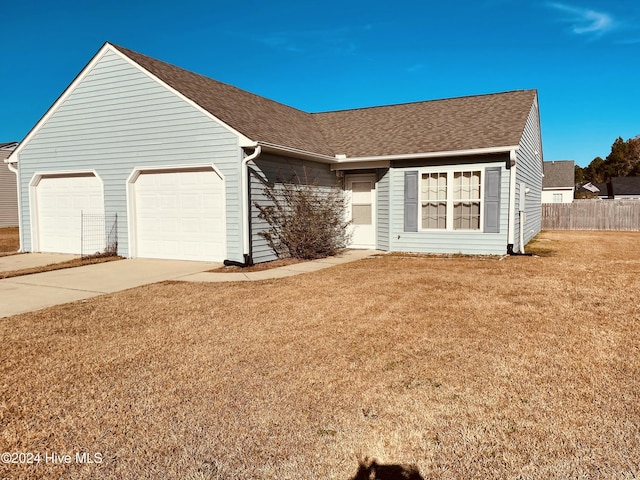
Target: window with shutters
451,199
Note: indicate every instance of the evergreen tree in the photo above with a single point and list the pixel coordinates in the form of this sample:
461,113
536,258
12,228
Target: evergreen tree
622,161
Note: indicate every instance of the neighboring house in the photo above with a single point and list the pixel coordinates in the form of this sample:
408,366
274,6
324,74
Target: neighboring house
603,190
619,187
558,183
8,190
182,158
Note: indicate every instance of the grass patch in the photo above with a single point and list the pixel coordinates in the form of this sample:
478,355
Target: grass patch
9,240
541,245
525,367
77,262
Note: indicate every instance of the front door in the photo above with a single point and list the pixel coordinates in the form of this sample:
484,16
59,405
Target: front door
361,189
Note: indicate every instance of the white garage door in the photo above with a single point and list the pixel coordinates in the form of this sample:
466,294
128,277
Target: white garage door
180,215
60,200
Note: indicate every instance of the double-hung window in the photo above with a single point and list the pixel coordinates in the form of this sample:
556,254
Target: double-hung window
451,200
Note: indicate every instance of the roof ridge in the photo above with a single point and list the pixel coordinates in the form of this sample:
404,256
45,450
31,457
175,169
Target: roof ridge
444,124
434,100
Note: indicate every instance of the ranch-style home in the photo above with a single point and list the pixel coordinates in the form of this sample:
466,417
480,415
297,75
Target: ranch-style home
182,159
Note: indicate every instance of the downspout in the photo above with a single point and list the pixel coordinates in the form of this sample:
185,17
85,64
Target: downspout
521,215
512,201
246,230
15,170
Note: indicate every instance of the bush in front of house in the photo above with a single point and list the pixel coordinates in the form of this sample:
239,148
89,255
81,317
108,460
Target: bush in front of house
305,221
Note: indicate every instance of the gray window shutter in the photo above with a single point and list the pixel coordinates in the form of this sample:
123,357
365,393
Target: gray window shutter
411,201
492,200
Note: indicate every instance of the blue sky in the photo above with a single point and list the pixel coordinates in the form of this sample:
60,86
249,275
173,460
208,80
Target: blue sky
582,56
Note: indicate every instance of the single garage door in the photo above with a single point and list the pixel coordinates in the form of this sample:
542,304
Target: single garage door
180,215
60,200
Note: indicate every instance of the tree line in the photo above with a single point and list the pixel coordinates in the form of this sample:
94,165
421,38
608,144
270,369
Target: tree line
623,161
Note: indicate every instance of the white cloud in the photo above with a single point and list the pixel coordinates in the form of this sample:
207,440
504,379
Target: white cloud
337,40
584,20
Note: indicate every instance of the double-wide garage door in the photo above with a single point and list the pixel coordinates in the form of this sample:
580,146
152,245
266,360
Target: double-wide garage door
180,215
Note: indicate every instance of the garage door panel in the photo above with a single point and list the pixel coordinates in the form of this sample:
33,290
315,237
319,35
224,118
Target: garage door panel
180,215
60,203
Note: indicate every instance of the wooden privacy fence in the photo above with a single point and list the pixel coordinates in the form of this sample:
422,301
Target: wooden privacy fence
592,215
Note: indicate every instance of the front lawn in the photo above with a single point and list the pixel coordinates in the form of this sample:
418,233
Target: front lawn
462,367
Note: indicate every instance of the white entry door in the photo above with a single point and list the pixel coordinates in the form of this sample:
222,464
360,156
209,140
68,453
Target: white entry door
361,189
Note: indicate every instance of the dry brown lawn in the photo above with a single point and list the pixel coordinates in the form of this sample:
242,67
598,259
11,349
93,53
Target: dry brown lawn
9,240
522,367
76,262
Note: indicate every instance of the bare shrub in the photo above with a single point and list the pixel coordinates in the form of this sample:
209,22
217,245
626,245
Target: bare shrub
306,221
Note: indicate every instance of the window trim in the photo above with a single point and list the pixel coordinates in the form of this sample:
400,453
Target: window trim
450,170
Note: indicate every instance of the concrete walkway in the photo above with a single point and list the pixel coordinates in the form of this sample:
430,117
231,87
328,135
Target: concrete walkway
20,261
34,292
281,272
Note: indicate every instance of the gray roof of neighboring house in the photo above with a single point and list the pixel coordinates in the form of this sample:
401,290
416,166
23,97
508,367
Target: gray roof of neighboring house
625,185
558,174
464,123
6,150
604,189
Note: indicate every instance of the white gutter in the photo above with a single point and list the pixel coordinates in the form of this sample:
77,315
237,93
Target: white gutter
15,170
411,156
244,194
297,153
512,201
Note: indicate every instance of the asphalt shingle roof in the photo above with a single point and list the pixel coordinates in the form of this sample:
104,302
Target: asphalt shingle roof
559,173
625,185
484,121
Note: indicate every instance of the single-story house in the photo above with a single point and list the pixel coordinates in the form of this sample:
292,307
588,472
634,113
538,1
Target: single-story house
619,187
182,158
8,189
558,183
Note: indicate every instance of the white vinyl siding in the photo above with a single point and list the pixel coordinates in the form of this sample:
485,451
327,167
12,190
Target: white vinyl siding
557,196
117,119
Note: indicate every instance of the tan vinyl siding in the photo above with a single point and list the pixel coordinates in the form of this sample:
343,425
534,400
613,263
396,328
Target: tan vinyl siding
118,118
270,170
8,193
529,170
447,241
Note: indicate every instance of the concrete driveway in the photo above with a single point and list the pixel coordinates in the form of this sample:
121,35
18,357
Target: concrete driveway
33,292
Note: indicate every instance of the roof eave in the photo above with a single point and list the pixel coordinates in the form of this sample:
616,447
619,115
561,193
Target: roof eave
296,153
413,156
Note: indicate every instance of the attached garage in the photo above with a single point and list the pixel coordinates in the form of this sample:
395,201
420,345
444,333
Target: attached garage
60,202
178,214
